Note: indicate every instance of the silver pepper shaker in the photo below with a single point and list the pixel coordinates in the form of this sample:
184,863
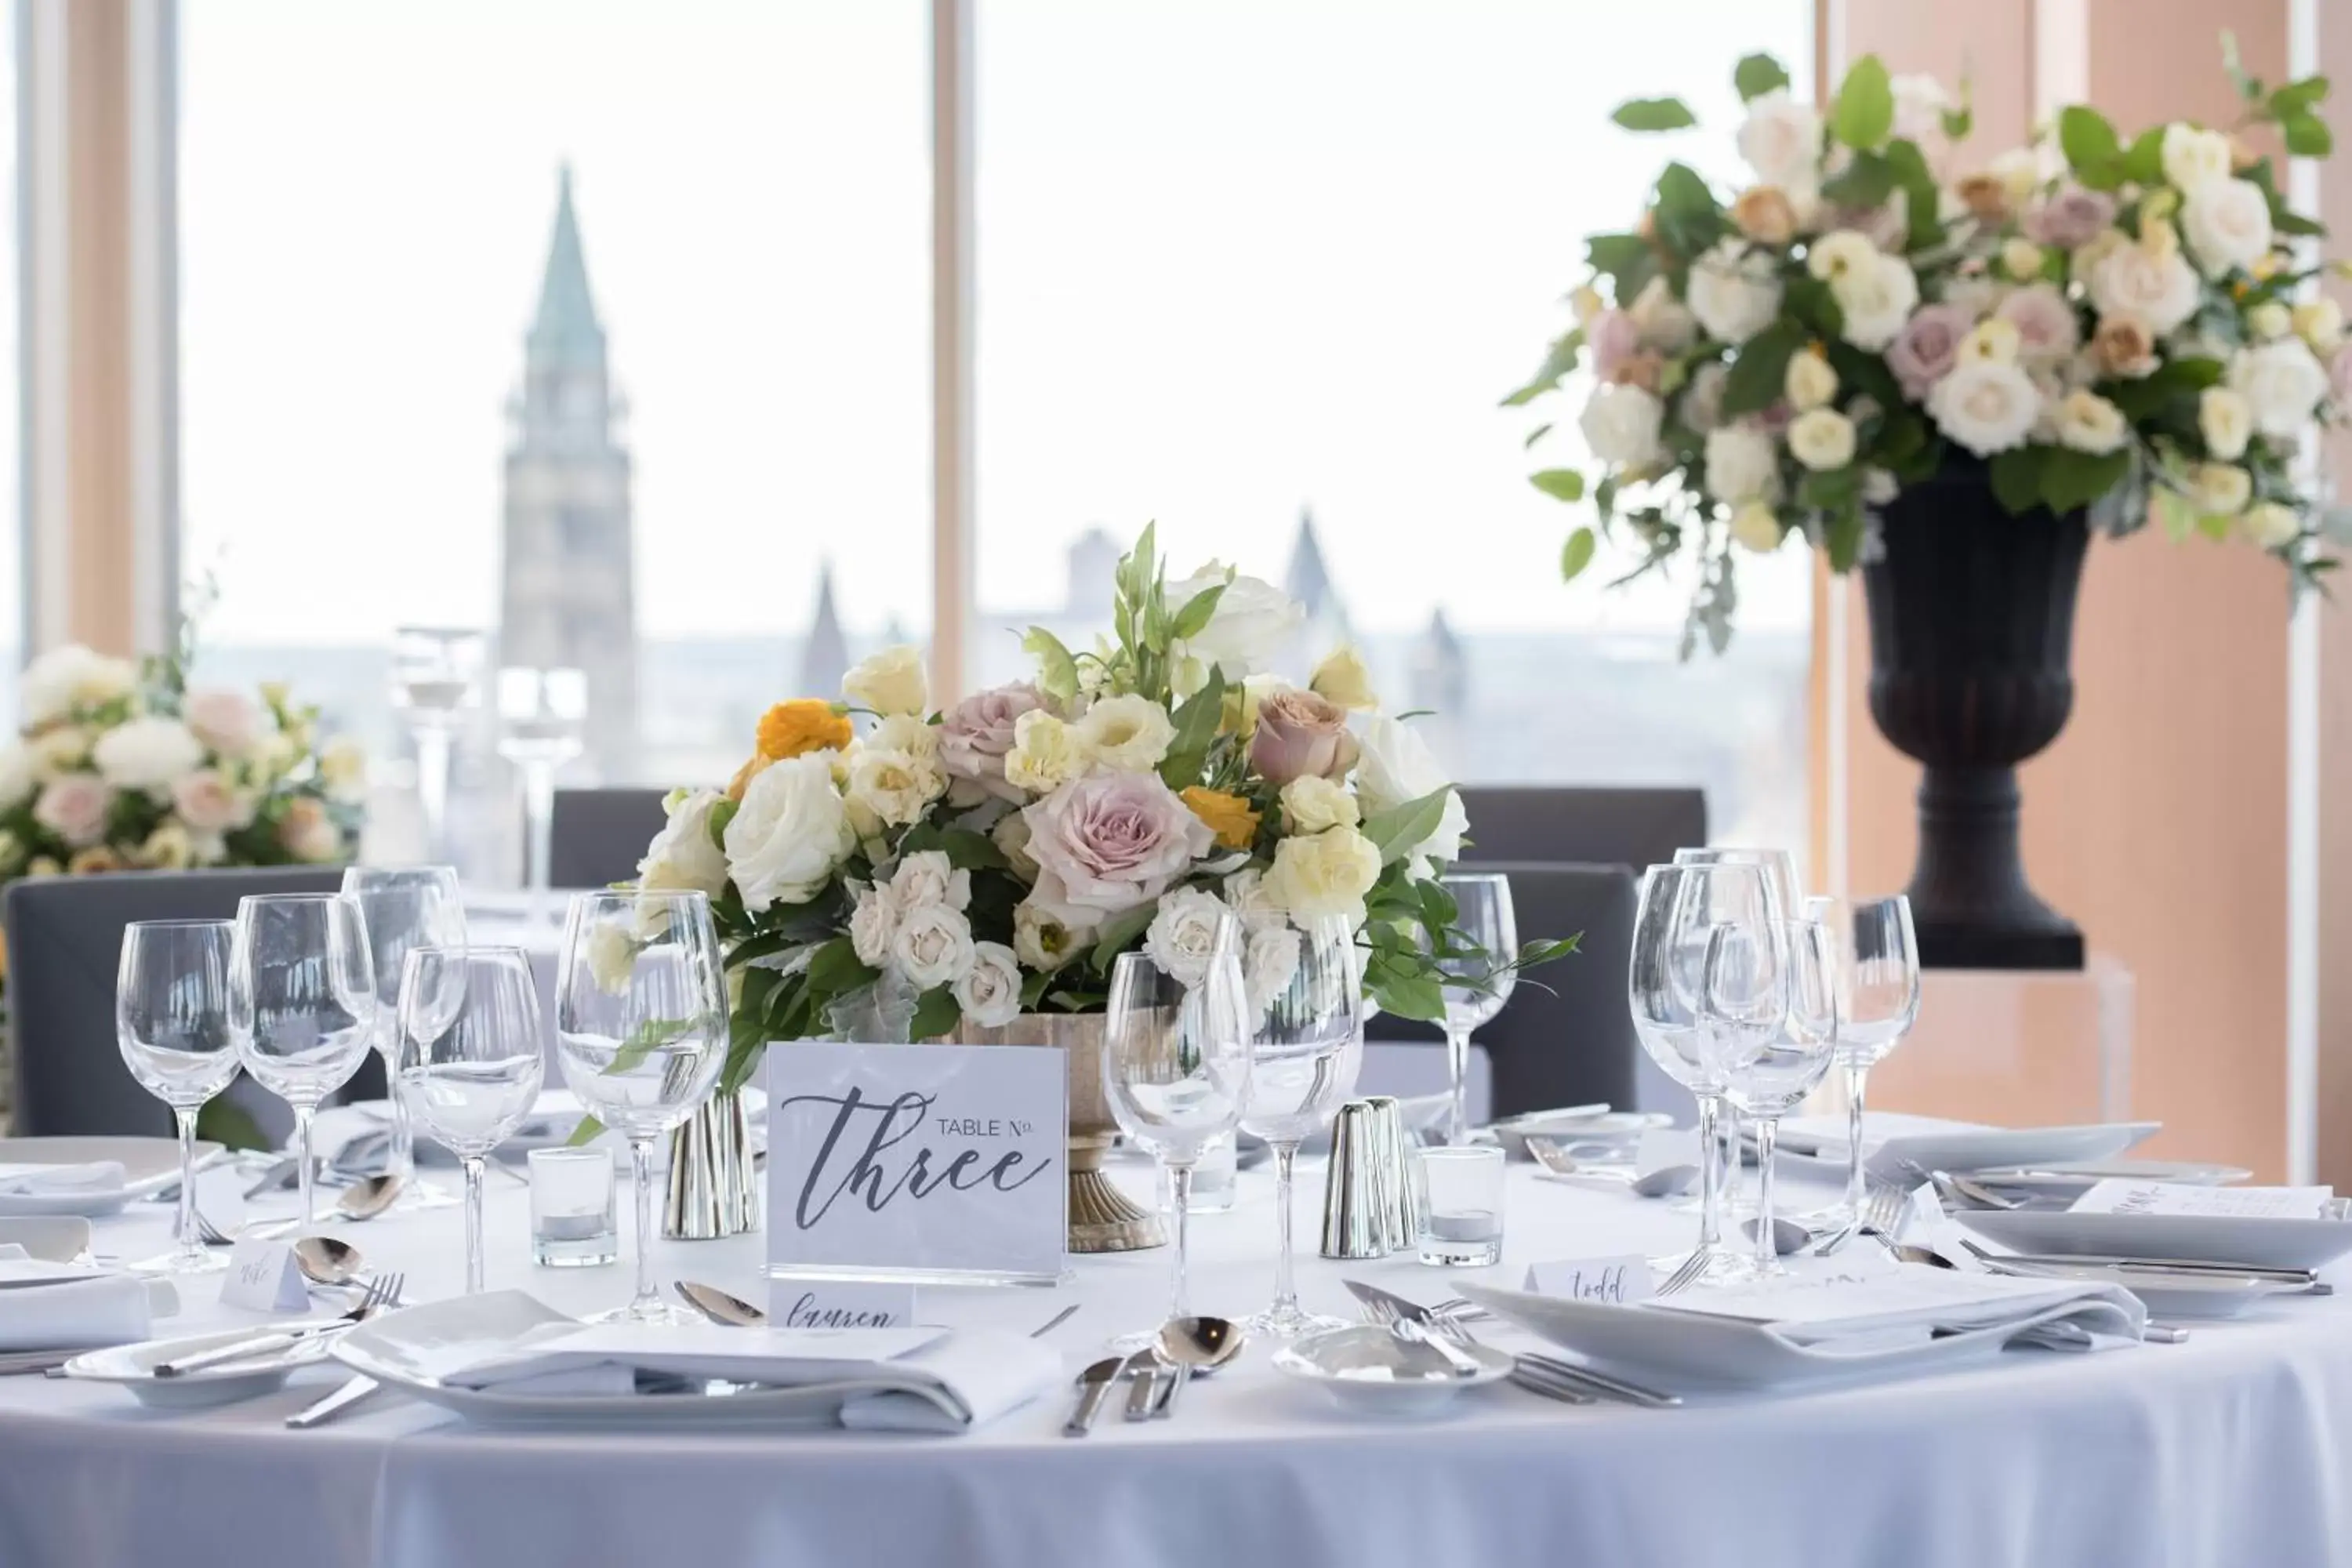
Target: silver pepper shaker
1355,1191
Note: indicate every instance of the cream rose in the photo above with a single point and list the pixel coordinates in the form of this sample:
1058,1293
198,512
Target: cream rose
208,802
2123,346
2281,383
1620,425
1742,465
1810,382
1342,678
2153,284
2194,158
2020,258
2319,321
1312,804
928,877
892,785
2270,320
1702,404
147,753
224,720
1733,291
1757,527
1663,321
872,922
989,991
2220,489
69,678
307,833
612,954
1046,754
1182,936
1875,300
1130,733
1269,963
1327,873
343,769
2227,224
2226,420
2089,423
890,682
2271,525
933,946
790,833
1822,439
1986,406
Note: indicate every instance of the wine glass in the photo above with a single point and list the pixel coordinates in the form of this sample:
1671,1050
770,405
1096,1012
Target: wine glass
1875,962
174,1024
305,997
1773,985
1309,1046
1780,881
406,907
1478,982
543,725
432,671
641,1036
1176,1070
471,1060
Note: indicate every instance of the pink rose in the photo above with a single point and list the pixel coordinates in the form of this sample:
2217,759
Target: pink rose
309,833
225,721
1109,843
74,807
208,805
2072,216
1923,351
2046,329
1300,734
976,733
1614,336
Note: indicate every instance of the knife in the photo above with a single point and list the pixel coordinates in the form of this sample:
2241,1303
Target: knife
352,1391
2148,1265
1094,1387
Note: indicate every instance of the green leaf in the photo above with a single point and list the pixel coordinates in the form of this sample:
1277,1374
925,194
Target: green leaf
1032,989
1195,720
1611,254
1654,114
1406,995
1534,435
1842,531
1057,672
721,816
1756,75
1688,219
2214,527
2142,163
1112,937
1762,367
2088,139
2175,514
1558,362
2017,478
586,1132
1959,122
2306,136
1865,105
836,969
1576,554
2297,97
2248,87
935,1013
644,1041
1198,611
1866,182
1561,484
2072,480
1401,829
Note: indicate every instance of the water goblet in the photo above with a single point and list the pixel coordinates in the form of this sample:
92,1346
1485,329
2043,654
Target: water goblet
304,992
1777,991
433,672
406,907
173,1022
543,725
1780,869
1478,980
1874,965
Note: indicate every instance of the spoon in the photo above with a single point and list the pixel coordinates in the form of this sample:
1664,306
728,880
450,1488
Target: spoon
1667,1182
363,1200
1194,1347
730,1312
324,1261
1788,1236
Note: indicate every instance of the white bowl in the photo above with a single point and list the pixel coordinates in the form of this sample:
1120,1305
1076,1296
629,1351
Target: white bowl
1370,1370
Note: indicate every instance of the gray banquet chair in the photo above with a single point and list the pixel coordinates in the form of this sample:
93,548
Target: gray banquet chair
596,836
1527,823
65,942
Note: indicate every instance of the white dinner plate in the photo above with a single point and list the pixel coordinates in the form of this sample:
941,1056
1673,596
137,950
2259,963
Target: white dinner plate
1595,1128
52,1238
2198,1238
149,1166
1370,1370
1691,1351
132,1367
2172,1296
1901,1158
2072,1178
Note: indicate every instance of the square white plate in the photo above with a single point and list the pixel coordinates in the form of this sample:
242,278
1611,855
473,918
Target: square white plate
149,1166
2197,1238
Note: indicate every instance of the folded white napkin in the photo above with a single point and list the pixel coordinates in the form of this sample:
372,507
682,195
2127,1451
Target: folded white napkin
44,1181
79,1314
1864,1305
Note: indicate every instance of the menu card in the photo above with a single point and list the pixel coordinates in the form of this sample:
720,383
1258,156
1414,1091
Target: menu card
2118,1195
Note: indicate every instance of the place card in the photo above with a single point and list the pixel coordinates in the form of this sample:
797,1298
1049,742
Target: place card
840,1304
2120,1195
1619,1280
263,1278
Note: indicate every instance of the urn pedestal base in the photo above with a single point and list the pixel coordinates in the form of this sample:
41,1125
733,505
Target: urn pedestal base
1970,904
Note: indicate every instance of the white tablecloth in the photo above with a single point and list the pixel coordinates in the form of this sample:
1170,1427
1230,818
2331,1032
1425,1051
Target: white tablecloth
2231,1449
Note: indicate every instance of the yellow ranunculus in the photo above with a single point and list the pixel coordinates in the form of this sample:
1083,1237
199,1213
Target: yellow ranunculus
1229,816
804,725
1342,678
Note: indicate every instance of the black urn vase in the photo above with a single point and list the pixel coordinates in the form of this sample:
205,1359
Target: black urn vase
1972,633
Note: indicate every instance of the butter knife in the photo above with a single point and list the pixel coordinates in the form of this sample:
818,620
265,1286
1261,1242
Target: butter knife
353,1390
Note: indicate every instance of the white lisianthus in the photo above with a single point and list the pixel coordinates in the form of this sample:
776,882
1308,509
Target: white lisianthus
933,946
2089,423
1822,439
1757,527
1251,621
1129,734
1810,382
2150,282
2226,420
1046,754
1986,406
343,769
2020,258
1663,321
1342,678
872,922
890,682
2319,321
1839,252
147,753
1012,835
17,779
1702,405
927,877
612,952
1733,291
1620,424
1741,465
1041,941
1327,873
2227,224
2271,525
684,856
1312,803
59,751
1876,301
1990,342
893,785
2270,320
69,678
789,834
2281,383
2194,158
1919,104
989,991
1269,963
1397,767
1182,936
1781,140
2220,489
1879,487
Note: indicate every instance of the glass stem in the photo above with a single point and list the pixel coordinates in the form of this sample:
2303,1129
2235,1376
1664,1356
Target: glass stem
1179,1187
1768,1253
647,1302
473,1163
539,802
302,1114
1734,1166
1710,1178
190,1246
1286,1293
432,787
1854,1077
402,1161
1457,1067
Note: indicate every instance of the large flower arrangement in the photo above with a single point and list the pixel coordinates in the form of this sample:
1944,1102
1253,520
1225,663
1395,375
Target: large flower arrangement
993,858
2121,325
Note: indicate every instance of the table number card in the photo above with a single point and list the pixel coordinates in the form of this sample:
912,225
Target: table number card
263,1278
889,1162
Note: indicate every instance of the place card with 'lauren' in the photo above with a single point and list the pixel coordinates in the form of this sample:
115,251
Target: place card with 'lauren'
1618,1280
263,1278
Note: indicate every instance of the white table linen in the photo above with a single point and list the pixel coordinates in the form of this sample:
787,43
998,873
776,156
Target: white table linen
2231,1447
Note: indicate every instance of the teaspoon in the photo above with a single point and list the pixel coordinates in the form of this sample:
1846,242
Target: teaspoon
325,1260
1193,1347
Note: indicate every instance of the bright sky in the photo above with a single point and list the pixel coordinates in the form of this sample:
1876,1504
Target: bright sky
1235,256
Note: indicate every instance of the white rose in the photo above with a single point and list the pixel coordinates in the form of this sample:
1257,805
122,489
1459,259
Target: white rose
1620,425
1919,105
2220,489
1742,465
1269,963
1045,754
612,952
927,877
1246,896
1733,291
1810,382
17,779
890,682
1041,941
1319,874
1875,300
2270,320
1757,527
2271,525
1663,321
2153,284
684,856
2089,423
2319,321
1986,406
1182,936
71,677
1839,252
1992,341
1397,766
790,833
2195,158
1129,734
224,720
872,922
1252,622
1313,803
1702,404
989,991
2281,383
1781,140
894,785
147,753
933,946
1822,439
2227,224
2226,420
2020,258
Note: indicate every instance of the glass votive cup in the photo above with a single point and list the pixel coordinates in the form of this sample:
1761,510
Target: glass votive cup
571,1208
1462,1215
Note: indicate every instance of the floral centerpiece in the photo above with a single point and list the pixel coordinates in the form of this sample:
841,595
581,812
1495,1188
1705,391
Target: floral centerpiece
1946,375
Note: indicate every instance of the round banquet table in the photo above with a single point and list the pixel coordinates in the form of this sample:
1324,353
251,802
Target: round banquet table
2231,1447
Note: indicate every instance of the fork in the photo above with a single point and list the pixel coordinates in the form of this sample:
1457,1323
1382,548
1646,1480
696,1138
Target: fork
1684,1277
211,1234
383,1293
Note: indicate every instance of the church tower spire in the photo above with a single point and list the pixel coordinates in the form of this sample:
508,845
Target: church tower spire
825,656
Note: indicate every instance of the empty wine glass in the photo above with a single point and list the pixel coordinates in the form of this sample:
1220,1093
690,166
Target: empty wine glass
306,1004
174,1024
471,1059
1874,964
1306,989
641,1035
1780,884
1774,986
543,725
1478,982
433,674
406,907
1176,1071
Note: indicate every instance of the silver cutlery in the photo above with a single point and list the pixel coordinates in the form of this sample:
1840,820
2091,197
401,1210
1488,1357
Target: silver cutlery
1973,1194
1055,1321
1189,1348
277,1175
1386,1308
1094,1387
1414,1332
353,1390
1684,1277
1880,1217
2174,1266
1666,1182
383,1294
1536,1383
718,1306
1606,1385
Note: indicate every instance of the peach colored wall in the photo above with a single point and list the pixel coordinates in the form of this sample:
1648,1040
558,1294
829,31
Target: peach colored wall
2334,1111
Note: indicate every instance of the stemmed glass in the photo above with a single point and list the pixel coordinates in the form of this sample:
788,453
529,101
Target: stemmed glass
406,907
174,1024
1780,870
1476,985
1874,965
543,725
432,671
641,1036
1772,986
1176,1070
305,1004
471,1059
1309,1047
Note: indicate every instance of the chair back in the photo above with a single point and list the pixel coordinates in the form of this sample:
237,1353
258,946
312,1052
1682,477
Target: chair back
596,836
1527,823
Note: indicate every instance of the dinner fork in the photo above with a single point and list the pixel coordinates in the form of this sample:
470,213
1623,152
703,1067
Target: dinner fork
383,1294
1684,1277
